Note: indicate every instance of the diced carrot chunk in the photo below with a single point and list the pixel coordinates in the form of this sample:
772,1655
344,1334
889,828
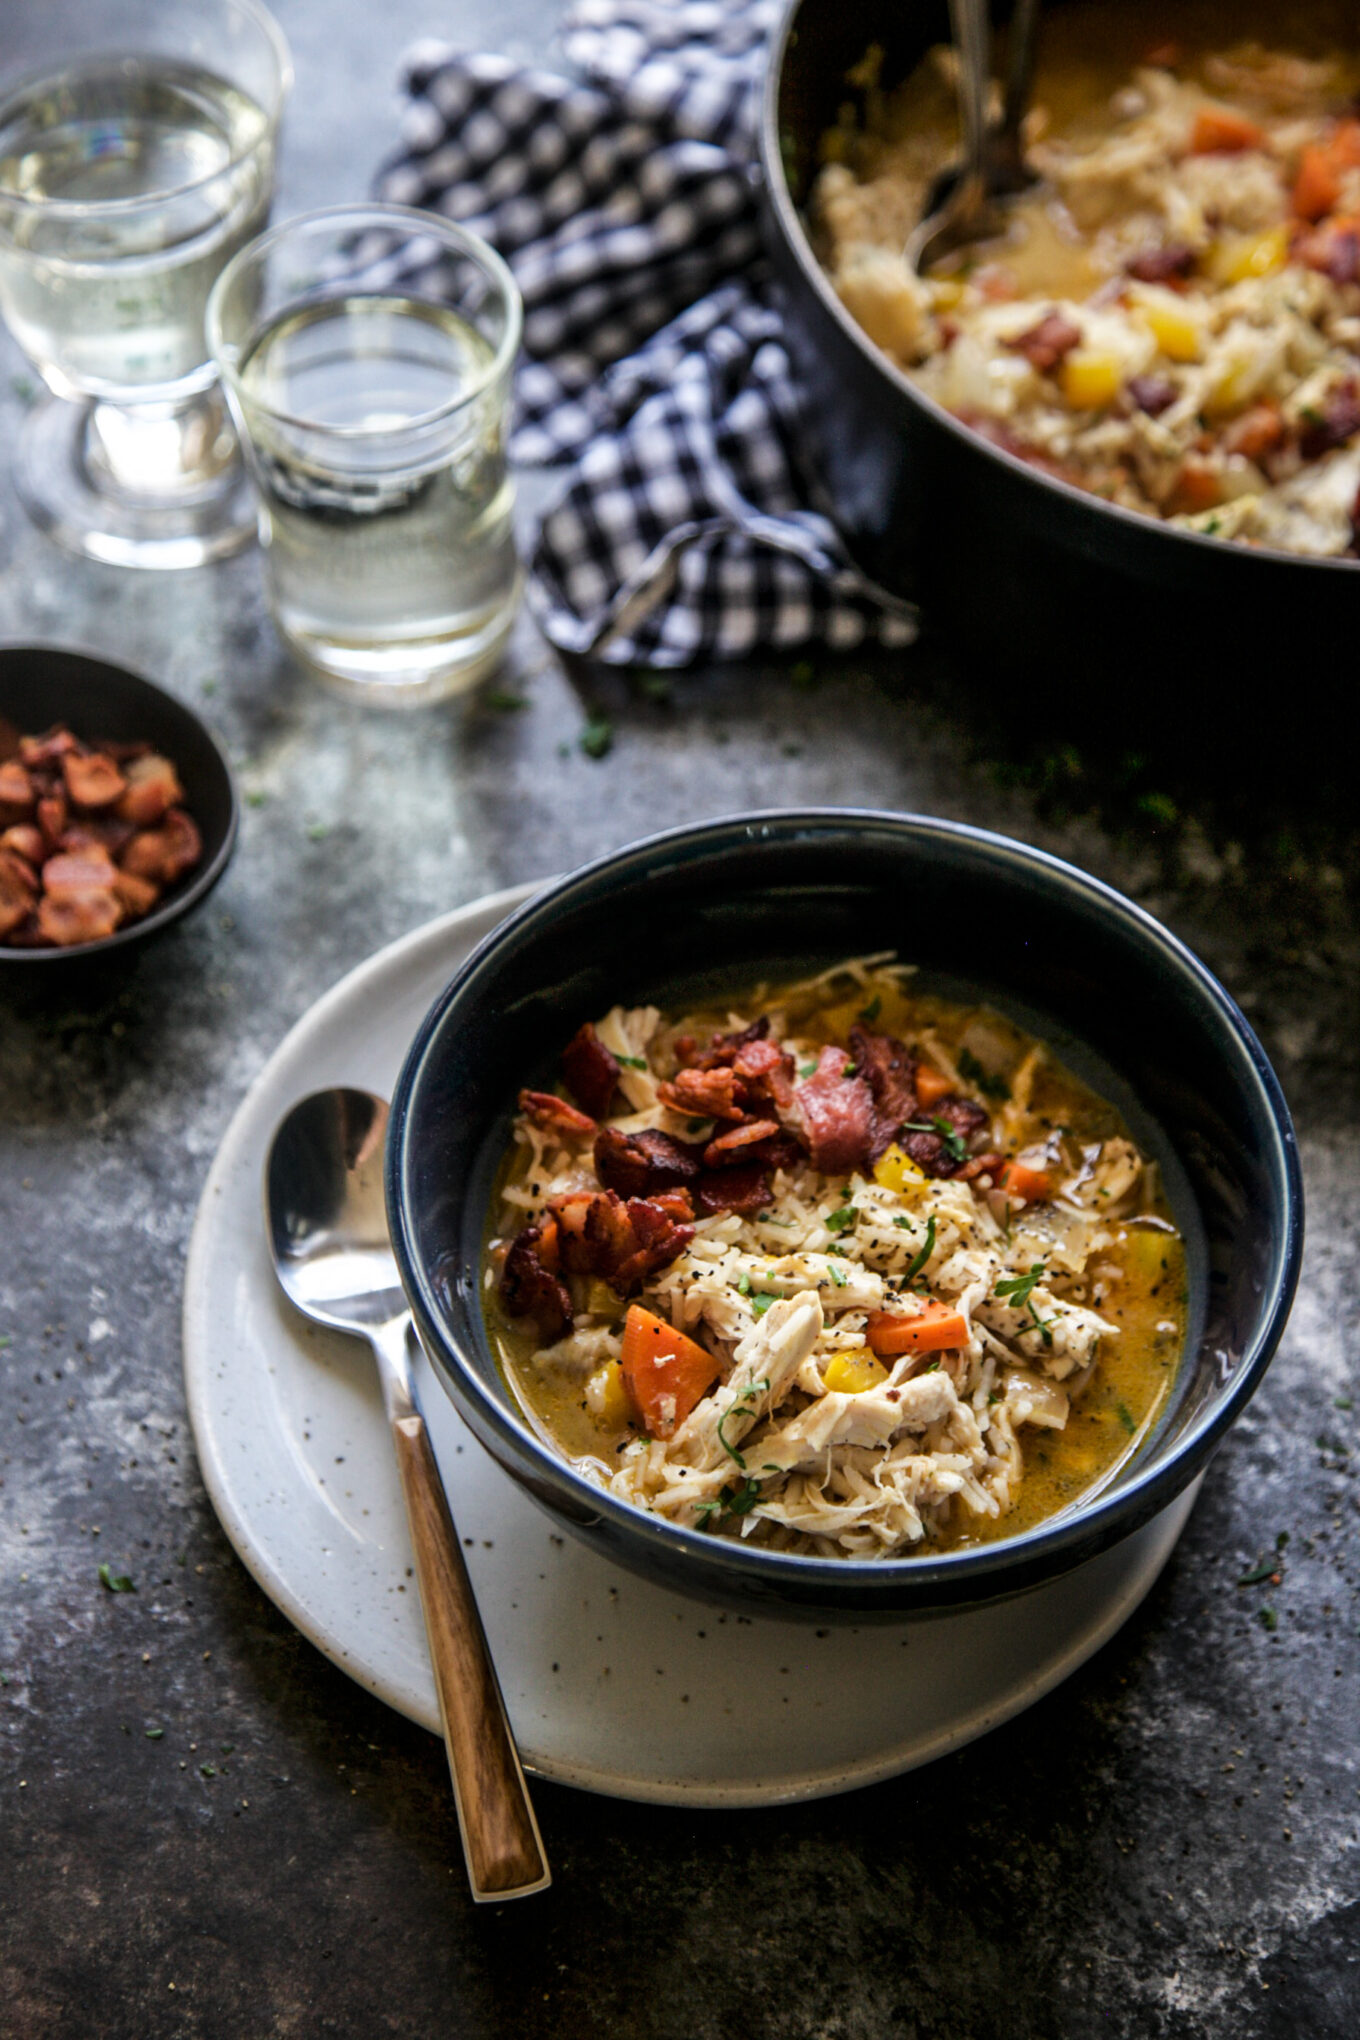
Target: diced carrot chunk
935,1330
1019,1179
1198,487
1219,131
664,1371
931,1085
1317,186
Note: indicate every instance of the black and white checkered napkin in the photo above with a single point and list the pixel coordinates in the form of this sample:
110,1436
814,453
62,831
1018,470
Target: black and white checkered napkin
624,203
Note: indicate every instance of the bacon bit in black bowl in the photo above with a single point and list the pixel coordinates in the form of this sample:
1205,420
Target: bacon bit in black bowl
101,838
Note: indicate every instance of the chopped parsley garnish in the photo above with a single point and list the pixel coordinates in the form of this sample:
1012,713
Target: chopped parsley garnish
903,1224
761,1302
504,701
842,1220
1018,1291
919,1261
807,1069
117,1583
747,1395
597,738
871,1012
1125,1416
743,1284
1268,1618
836,1276
732,1500
1266,1570
988,1082
631,1062
154,1734
956,1147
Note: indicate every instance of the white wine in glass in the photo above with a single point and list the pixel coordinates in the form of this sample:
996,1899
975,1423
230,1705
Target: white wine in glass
137,143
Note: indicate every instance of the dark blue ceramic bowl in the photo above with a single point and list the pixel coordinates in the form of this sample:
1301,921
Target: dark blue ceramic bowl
723,903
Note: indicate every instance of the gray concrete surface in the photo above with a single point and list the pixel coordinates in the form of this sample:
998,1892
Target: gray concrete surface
1164,1847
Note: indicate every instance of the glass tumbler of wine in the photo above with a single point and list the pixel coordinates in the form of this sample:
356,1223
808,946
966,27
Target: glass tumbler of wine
367,353
137,143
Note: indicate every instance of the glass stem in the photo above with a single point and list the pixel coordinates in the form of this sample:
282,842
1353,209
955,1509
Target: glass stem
161,453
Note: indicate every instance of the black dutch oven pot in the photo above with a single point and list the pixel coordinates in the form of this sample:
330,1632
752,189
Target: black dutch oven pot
1053,584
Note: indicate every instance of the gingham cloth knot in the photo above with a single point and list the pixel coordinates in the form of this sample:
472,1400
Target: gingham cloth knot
655,370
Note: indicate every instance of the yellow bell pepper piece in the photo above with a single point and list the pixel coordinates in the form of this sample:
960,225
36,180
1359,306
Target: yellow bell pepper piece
895,1169
1177,331
1239,256
1145,1252
607,1398
851,1373
1090,380
945,292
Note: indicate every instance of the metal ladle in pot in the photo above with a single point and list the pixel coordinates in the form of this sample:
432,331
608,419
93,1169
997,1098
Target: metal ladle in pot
960,204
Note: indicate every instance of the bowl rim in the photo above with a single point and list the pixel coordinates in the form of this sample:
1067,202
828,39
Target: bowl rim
1142,529
203,880
1064,1539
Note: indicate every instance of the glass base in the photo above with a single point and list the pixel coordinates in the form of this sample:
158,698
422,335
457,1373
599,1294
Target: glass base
409,674
71,491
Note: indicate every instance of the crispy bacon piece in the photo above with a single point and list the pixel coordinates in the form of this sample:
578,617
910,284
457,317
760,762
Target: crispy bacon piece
931,1151
837,1114
18,890
889,1068
641,1164
1045,344
90,867
730,1148
1170,263
705,1094
65,918
678,1204
1337,421
744,1189
623,1243
16,786
51,813
1152,393
114,835
766,1070
27,840
554,1114
980,1165
92,780
48,749
590,1070
530,1283
165,854
152,788
136,895
763,1071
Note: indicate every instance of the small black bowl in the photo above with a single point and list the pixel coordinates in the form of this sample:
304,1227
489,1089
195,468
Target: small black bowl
42,684
1121,1001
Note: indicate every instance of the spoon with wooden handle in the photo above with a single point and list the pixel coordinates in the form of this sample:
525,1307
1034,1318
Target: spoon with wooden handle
328,1234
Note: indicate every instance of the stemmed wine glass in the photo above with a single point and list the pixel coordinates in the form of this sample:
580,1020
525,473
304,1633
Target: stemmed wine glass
137,143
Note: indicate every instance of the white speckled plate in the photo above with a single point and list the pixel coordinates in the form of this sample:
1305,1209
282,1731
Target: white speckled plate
612,1684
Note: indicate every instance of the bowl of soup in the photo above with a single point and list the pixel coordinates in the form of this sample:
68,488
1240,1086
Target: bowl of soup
843,1213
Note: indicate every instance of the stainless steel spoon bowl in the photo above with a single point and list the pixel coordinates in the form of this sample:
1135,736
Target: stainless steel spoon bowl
960,205
328,1235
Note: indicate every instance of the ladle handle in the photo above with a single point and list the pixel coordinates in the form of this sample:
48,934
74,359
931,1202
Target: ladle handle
501,1842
